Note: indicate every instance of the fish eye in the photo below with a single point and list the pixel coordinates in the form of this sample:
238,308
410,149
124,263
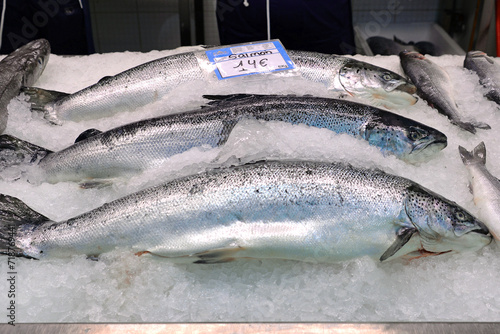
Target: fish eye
460,216
416,134
386,76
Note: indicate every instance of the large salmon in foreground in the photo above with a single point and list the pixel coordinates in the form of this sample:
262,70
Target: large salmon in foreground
307,211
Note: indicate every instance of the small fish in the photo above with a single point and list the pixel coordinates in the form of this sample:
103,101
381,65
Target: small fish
146,144
22,67
488,71
304,211
485,187
149,82
435,86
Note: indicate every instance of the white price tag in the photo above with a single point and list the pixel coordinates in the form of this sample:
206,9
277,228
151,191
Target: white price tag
260,57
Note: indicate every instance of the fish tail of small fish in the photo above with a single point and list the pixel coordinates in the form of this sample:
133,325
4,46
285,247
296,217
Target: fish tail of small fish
471,126
15,215
465,126
477,155
16,152
42,100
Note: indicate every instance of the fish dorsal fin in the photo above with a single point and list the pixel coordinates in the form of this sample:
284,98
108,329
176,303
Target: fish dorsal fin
104,78
87,134
403,235
397,40
218,99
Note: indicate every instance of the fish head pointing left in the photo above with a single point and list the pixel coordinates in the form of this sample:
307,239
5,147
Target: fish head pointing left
378,85
442,225
37,56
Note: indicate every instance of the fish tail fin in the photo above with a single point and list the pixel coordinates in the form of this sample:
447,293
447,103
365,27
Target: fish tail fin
480,125
465,126
472,126
42,100
14,214
15,152
477,155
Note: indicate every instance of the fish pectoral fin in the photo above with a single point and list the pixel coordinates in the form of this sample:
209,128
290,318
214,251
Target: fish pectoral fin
218,255
87,134
403,235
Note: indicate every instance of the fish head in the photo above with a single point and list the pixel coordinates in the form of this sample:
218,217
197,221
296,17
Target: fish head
442,225
411,57
378,85
477,57
408,140
37,53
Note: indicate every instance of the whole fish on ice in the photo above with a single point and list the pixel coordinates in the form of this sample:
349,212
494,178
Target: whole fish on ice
148,143
488,71
148,82
22,67
307,211
485,187
435,86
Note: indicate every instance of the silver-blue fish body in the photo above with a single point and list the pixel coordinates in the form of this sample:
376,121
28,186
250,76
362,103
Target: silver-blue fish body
149,143
151,81
307,211
127,90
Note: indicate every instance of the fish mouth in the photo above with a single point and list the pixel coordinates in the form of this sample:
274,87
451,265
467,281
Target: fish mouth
426,149
482,229
437,144
406,87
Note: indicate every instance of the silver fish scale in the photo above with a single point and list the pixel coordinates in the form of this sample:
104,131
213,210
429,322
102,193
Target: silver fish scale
146,144
143,84
318,67
292,210
133,148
